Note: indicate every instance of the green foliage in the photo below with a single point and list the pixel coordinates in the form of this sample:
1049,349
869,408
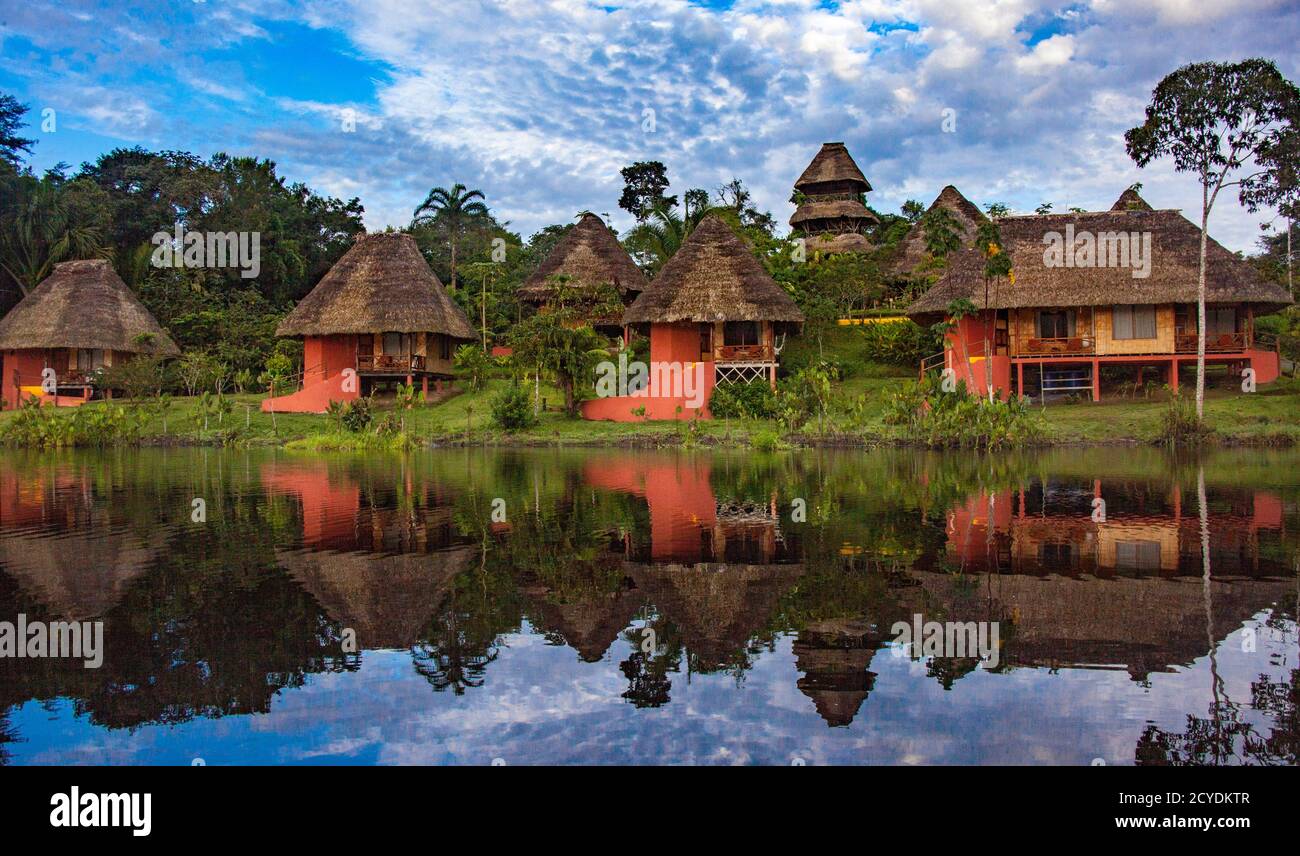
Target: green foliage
512,409
138,377
473,364
44,427
903,343
806,394
355,415
279,369
958,420
752,400
1179,424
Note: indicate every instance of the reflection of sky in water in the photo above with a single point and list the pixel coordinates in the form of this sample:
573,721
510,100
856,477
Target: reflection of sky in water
212,628
541,704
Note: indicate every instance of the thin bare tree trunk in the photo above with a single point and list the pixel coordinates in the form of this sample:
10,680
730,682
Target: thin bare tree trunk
1200,309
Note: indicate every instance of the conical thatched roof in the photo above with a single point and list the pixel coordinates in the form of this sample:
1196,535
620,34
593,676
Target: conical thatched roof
1175,261
713,277
83,304
834,209
590,255
966,213
382,284
1129,200
833,163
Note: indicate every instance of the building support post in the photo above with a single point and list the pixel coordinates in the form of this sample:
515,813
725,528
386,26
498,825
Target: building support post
1020,380
424,386
1173,374
1096,380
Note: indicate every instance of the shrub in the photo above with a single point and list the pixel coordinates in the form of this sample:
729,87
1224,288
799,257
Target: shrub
473,365
95,425
1179,425
512,409
955,419
751,400
356,415
901,343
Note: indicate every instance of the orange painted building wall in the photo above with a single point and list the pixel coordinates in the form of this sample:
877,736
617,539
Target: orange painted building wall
669,343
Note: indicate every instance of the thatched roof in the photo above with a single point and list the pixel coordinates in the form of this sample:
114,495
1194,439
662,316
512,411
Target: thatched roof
382,284
1175,246
713,277
830,210
1129,200
967,215
849,242
832,163
590,255
388,599
83,304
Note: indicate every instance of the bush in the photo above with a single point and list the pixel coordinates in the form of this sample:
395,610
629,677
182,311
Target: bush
352,415
95,425
1179,425
512,409
902,343
752,400
473,365
956,419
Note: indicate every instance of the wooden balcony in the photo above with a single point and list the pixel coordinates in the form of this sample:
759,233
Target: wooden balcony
390,363
1215,343
744,354
1067,346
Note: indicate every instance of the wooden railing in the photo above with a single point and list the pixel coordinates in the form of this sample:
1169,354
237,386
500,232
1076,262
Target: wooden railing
1185,343
390,363
743,354
1063,346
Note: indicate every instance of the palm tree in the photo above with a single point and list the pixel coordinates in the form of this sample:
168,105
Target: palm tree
41,229
660,237
453,210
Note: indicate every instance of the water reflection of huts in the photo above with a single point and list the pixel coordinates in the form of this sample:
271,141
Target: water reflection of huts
381,571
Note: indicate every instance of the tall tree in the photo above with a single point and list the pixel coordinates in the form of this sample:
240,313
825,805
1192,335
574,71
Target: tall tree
644,184
1212,119
455,211
11,119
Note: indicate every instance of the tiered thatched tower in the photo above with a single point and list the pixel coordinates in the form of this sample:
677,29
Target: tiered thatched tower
831,195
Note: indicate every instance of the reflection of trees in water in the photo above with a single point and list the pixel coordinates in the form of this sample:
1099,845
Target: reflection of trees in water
464,636
8,734
648,684
1224,737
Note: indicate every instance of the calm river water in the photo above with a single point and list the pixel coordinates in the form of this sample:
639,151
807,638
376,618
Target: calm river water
594,606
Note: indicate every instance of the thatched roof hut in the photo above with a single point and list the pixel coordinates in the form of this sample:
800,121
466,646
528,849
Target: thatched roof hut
713,277
590,256
966,214
381,284
1173,276
83,304
832,166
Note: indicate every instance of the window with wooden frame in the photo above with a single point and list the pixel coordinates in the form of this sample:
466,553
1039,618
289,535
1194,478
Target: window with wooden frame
1133,322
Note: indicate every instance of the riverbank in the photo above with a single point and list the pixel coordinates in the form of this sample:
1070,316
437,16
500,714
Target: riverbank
1269,417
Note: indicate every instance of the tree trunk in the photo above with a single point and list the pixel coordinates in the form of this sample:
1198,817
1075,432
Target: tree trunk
482,313
453,262
570,406
1200,309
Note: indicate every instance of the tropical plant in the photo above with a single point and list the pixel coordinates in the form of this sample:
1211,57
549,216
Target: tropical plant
454,212
512,409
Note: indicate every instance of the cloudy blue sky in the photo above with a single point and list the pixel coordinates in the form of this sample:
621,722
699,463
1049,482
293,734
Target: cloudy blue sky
539,103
